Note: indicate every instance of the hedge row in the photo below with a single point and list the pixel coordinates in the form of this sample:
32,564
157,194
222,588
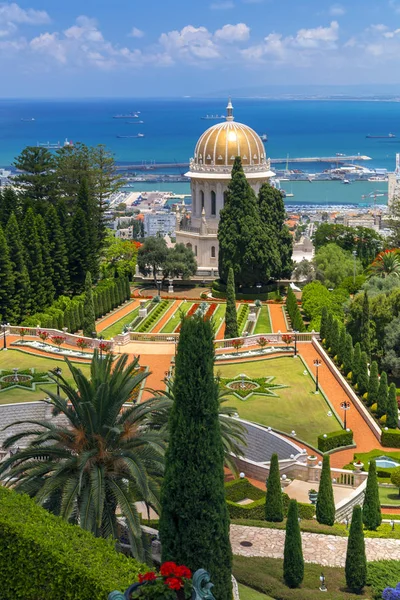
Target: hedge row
391,438
294,311
68,312
238,489
334,439
218,286
42,556
256,510
153,316
243,315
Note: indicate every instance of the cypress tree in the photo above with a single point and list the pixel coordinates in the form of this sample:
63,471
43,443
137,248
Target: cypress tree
120,291
231,327
89,320
194,522
67,319
356,363
34,261
87,204
363,378
48,272
334,337
325,509
95,305
373,386
365,335
392,408
128,288
273,215
72,318
75,306
58,251
100,303
293,562
79,251
371,513
21,295
342,345
108,299
114,294
324,322
348,355
6,280
382,395
328,332
356,562
274,499
298,323
245,242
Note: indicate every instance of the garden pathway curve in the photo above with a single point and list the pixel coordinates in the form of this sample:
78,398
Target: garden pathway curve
278,322
327,550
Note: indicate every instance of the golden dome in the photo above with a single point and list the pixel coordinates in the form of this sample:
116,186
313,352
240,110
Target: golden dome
221,143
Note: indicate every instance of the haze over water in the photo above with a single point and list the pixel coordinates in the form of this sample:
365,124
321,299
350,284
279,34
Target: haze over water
172,126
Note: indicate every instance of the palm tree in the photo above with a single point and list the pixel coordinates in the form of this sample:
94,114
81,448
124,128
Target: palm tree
97,455
386,263
232,431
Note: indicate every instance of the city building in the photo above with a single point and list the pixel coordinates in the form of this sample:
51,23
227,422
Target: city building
159,222
210,174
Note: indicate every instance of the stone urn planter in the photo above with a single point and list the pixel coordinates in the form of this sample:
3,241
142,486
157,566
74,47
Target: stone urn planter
358,467
312,460
312,496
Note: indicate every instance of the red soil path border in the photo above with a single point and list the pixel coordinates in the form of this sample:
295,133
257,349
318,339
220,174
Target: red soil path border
116,316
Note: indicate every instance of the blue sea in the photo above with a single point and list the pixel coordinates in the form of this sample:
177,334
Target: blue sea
297,128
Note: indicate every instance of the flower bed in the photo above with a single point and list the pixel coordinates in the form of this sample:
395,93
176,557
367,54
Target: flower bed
189,313
52,350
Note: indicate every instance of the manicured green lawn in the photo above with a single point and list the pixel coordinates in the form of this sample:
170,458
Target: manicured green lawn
13,359
219,316
297,407
389,496
118,326
176,317
265,575
263,324
247,593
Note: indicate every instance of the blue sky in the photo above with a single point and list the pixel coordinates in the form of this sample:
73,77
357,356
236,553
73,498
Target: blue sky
176,47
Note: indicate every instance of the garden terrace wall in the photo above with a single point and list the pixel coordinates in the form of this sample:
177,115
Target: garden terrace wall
376,430
70,338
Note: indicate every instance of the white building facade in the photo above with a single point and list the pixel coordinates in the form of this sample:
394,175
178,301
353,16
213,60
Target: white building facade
210,174
159,222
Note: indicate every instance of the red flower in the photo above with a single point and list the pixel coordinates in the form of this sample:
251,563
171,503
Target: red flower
183,571
147,577
168,568
174,583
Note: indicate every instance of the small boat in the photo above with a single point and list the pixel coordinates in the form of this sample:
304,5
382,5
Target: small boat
346,181
139,135
340,154
134,122
31,119
381,137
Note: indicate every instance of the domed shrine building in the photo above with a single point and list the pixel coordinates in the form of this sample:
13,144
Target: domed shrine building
210,173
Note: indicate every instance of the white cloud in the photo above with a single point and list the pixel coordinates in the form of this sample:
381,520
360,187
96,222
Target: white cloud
50,44
313,38
85,29
337,10
395,5
224,5
189,43
136,33
233,33
10,12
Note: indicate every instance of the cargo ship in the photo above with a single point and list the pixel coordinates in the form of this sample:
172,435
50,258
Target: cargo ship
381,137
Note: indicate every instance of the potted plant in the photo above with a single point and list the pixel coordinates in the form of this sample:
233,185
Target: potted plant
312,460
358,465
82,343
262,342
238,343
286,339
312,496
22,332
172,583
58,340
43,335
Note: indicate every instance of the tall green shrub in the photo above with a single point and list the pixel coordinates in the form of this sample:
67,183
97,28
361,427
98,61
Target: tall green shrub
373,385
348,355
365,334
371,513
356,363
392,408
356,562
274,499
342,345
328,332
382,395
293,562
89,319
324,322
194,523
363,378
334,339
325,509
231,327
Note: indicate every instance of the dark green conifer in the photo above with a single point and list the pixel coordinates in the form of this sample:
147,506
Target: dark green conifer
356,562
293,562
231,327
342,345
382,395
274,499
194,523
128,288
373,385
363,378
58,251
48,272
324,322
325,509
6,280
392,408
34,261
335,337
348,355
356,363
371,513
21,295
10,203
365,334
328,332
79,251
89,320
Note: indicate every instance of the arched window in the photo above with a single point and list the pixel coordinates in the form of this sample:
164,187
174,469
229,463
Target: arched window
201,200
225,197
195,250
213,204
212,251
